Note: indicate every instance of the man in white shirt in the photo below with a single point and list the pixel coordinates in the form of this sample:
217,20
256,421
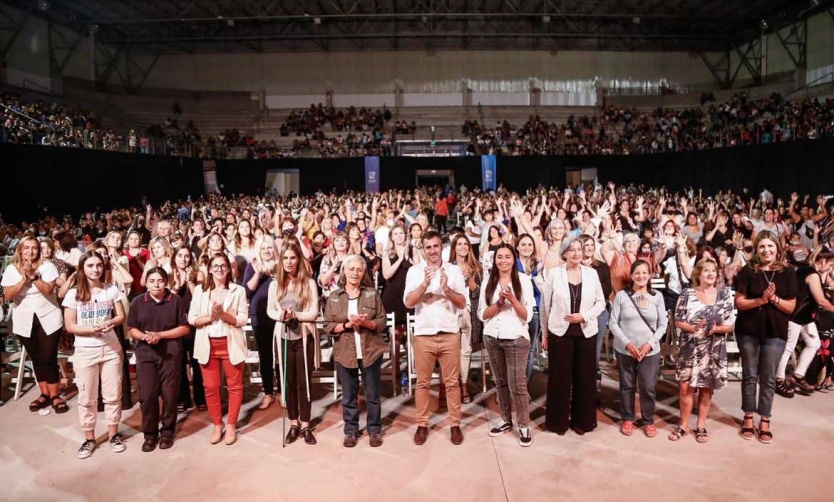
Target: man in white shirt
437,292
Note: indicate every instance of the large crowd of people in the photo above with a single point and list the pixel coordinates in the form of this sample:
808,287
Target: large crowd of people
372,132
52,124
537,278
626,131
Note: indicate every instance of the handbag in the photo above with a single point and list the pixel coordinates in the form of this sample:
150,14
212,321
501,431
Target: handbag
630,297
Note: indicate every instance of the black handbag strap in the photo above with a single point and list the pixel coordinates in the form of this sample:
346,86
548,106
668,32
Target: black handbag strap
630,297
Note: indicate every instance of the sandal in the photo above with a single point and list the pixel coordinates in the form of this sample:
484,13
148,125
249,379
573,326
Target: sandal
627,428
650,430
676,434
701,435
59,405
41,402
748,433
765,437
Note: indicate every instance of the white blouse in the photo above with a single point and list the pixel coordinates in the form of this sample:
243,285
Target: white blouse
506,324
31,302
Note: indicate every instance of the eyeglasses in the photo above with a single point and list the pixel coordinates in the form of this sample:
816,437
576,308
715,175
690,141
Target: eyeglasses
748,249
219,267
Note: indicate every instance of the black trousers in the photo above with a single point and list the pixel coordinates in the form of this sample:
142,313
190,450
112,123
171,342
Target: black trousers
196,374
42,348
269,368
571,383
297,403
158,370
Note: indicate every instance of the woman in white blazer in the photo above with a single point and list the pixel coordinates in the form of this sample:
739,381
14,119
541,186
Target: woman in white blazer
219,310
571,301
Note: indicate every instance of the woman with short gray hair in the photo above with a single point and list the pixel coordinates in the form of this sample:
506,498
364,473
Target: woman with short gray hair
356,308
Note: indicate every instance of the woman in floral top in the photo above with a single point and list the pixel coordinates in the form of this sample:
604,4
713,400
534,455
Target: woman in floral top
703,315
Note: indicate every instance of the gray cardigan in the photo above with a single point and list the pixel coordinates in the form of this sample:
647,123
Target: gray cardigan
627,326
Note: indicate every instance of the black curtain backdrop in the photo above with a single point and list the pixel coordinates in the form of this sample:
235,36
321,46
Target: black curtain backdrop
74,180
71,180
400,172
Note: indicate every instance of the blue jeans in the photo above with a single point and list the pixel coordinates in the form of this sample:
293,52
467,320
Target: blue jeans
759,359
645,373
349,377
535,341
602,325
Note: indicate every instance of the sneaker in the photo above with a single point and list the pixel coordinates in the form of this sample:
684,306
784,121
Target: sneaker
524,437
784,388
87,448
117,443
501,429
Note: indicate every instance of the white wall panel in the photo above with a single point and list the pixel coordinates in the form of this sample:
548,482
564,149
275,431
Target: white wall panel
568,98
501,98
357,100
294,101
432,99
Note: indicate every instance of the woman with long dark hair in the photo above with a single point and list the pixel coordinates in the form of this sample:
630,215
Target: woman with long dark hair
506,306
462,255
529,264
294,303
765,299
183,282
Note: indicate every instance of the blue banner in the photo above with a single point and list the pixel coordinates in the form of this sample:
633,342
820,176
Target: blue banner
488,172
372,174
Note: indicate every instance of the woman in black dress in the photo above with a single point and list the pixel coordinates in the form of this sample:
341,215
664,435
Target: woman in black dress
396,260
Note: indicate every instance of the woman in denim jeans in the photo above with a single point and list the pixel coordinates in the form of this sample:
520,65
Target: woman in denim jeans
638,323
765,299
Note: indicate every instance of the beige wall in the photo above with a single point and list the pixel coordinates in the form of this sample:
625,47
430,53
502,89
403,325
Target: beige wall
442,71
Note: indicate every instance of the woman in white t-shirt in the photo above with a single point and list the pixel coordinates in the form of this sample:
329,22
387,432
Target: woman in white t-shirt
91,310
29,282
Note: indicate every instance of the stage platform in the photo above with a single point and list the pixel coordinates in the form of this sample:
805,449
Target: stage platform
38,457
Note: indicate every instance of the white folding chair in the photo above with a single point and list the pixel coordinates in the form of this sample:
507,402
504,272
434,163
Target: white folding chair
24,366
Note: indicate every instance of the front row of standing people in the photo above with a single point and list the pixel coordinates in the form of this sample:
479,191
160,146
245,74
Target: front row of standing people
571,302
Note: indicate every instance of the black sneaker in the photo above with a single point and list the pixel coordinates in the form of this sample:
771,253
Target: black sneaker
524,437
784,388
87,448
501,429
117,443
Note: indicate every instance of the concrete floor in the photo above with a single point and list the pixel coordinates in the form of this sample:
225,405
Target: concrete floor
38,457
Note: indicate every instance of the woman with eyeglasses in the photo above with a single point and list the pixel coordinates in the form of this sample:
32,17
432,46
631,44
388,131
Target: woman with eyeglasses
572,300
765,299
219,310
293,303
91,310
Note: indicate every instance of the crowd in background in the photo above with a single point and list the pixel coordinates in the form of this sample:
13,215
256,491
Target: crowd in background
627,131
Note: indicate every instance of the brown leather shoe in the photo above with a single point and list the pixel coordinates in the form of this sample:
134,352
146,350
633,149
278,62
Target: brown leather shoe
421,435
457,435
376,440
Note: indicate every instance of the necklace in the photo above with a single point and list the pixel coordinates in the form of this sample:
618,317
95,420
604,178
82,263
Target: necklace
574,297
769,279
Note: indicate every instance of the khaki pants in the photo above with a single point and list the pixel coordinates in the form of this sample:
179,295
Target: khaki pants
429,349
91,364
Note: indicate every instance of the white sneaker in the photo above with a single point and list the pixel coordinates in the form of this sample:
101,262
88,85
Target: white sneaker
524,437
86,448
117,443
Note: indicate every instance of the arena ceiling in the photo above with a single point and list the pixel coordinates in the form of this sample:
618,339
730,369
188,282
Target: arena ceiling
194,26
